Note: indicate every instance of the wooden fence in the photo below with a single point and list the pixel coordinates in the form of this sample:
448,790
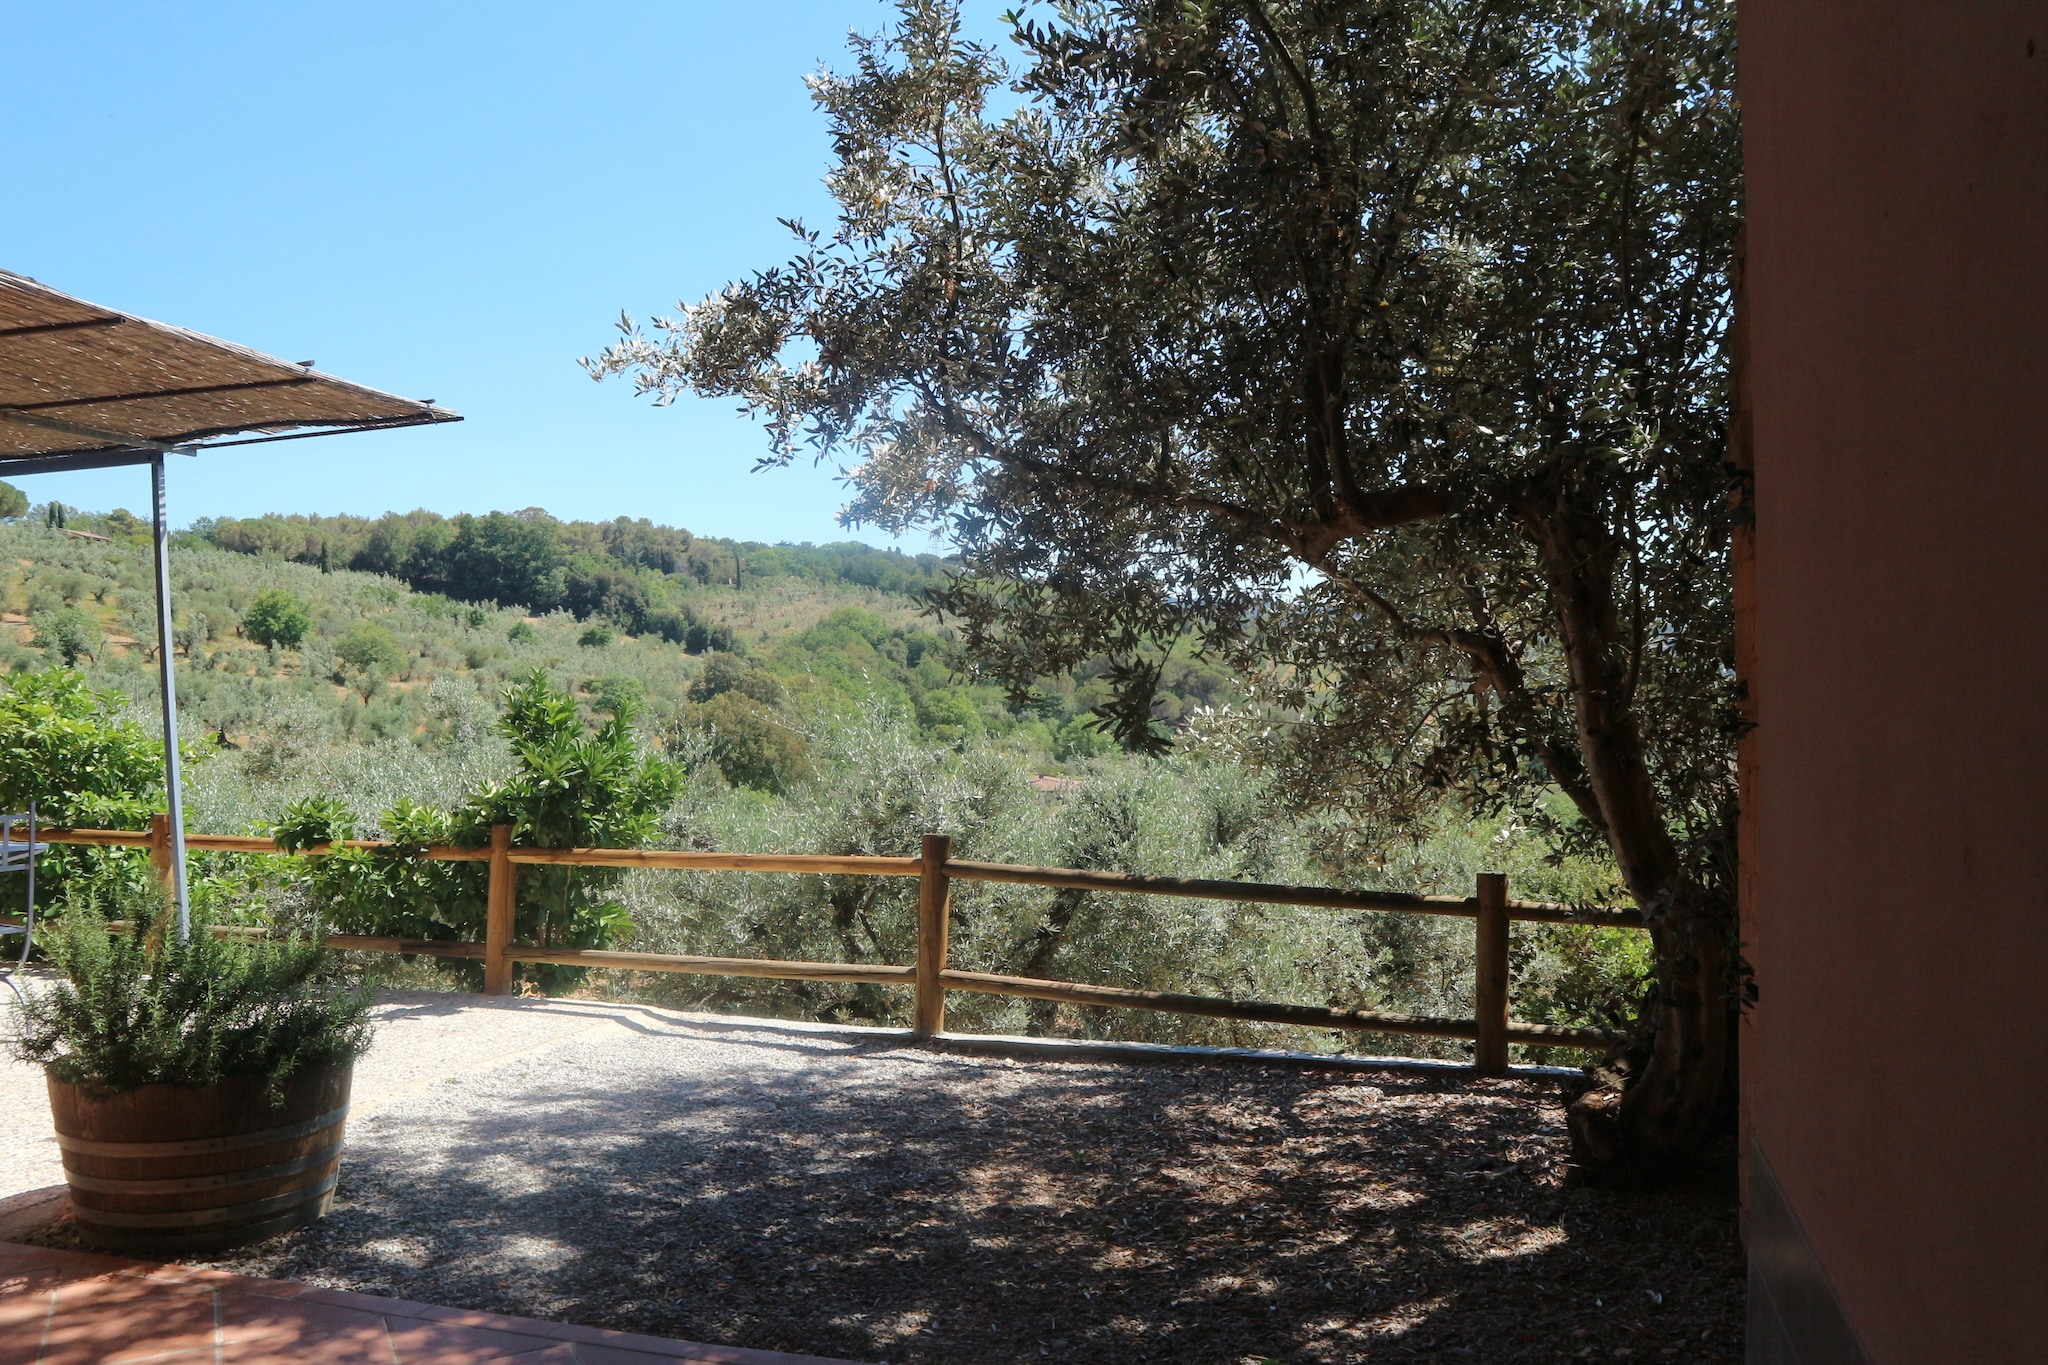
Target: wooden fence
1491,1031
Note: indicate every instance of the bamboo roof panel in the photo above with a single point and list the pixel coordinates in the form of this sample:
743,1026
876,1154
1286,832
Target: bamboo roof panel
76,378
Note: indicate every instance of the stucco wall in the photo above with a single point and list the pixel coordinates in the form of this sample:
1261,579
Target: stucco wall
1895,1065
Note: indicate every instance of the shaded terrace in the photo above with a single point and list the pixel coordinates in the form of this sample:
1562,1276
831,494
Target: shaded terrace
836,1191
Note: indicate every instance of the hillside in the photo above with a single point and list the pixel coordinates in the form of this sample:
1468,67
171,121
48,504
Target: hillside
815,711
614,610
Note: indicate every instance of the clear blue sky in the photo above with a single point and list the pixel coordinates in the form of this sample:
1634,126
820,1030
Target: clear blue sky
448,200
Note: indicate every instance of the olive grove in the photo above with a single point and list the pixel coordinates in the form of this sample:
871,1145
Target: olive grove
1375,346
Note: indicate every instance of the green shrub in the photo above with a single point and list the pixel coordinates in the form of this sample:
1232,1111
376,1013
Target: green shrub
595,637
614,694
570,787
143,1008
277,617
949,714
729,673
522,633
752,746
72,750
369,648
1081,737
672,625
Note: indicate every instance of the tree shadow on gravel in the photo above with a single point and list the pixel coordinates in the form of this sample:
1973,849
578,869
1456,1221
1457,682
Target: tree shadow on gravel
943,1209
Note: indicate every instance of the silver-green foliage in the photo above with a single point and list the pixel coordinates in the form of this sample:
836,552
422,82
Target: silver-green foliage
882,786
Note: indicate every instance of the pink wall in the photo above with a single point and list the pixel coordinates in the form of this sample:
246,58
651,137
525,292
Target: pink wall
1896,1067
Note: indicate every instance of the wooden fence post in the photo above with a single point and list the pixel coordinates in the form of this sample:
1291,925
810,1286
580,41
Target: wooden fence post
160,846
1490,989
160,863
502,908
934,910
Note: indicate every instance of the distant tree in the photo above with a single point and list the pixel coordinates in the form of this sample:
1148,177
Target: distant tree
618,596
369,648
1375,345
639,543
522,633
752,745
68,635
595,637
123,524
393,545
620,560
675,625
277,617
54,515
729,673
193,635
508,559
700,637
13,502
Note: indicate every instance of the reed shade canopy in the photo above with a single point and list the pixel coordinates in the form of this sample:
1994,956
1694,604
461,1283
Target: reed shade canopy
88,387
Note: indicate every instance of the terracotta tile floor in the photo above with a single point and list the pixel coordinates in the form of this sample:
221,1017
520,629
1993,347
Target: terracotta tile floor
68,1308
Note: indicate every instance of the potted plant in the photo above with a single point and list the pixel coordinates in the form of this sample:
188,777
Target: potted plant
199,1089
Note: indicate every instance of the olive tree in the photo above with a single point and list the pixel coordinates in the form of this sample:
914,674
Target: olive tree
1375,345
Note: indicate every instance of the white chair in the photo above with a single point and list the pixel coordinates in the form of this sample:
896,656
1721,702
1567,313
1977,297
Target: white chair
19,855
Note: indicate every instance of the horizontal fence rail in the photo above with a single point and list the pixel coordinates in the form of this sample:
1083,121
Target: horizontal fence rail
1490,1032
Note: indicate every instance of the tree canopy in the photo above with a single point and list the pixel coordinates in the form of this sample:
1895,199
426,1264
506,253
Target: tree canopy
277,617
627,570
1375,345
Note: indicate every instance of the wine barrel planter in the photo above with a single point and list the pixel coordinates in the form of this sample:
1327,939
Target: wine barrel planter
167,1168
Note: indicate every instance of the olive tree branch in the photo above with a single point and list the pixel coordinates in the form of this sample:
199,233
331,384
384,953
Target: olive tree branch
1503,672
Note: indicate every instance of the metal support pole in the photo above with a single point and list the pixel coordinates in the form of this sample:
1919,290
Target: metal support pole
174,795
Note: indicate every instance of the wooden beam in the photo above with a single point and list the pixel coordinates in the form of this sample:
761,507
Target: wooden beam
1131,883
140,395
1267,893
247,843
717,966
1562,1035
37,327
1307,1016
681,861
160,848
98,838
1603,916
1168,1002
410,947
1328,897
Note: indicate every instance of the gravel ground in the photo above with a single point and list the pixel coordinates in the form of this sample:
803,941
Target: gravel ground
423,1039
825,1193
